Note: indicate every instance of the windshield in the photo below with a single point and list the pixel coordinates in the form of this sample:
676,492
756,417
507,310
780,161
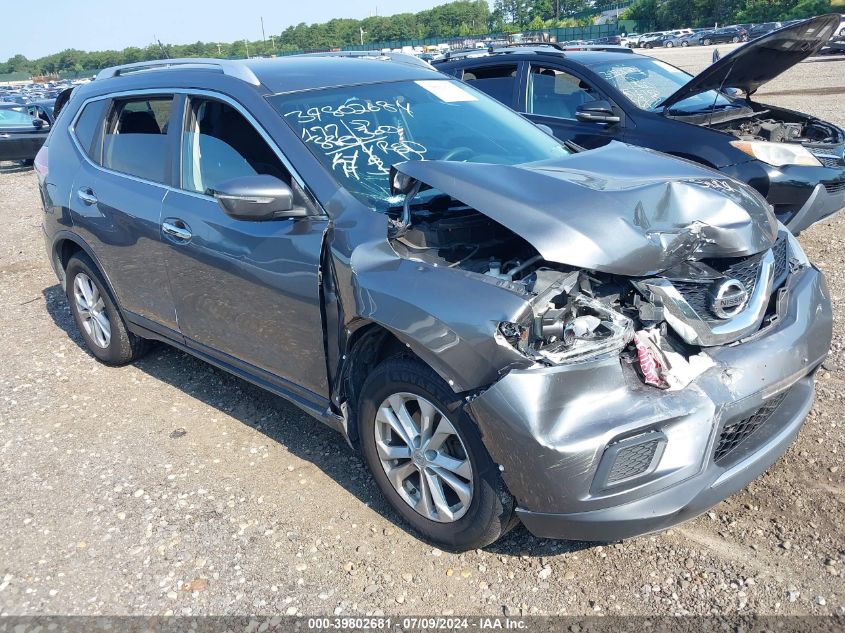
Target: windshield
358,132
14,117
647,82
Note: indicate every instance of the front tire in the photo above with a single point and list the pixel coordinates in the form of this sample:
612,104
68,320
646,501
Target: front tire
427,457
669,45
706,42
96,315
735,40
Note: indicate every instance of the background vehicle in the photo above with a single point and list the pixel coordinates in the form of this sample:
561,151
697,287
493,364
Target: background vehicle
630,40
592,98
758,30
733,34
650,40
324,267
23,130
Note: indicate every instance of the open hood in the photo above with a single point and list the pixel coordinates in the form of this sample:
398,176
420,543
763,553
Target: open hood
761,60
618,209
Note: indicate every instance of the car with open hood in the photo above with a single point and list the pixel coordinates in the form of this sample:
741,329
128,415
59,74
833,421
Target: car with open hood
597,343
796,160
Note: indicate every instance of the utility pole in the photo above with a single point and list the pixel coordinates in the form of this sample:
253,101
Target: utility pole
362,34
246,43
219,50
273,43
263,37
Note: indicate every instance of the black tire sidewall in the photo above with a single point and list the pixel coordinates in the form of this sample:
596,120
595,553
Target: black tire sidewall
119,350
491,508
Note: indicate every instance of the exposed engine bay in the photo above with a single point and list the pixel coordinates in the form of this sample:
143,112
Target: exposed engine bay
577,314
763,127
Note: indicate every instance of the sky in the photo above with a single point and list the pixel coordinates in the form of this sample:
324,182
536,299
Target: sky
116,24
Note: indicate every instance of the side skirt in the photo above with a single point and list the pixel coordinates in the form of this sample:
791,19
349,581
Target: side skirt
310,402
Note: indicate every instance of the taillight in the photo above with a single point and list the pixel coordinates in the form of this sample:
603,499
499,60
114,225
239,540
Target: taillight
40,164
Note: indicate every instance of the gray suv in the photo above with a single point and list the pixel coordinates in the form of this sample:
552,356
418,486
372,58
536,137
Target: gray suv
597,343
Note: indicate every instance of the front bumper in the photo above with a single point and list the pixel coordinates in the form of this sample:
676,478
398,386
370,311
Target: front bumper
553,429
800,195
822,203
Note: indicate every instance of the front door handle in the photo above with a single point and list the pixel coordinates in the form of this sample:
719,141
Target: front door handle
87,196
177,230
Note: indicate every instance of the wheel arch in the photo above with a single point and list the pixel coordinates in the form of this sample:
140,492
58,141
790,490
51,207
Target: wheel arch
369,343
65,246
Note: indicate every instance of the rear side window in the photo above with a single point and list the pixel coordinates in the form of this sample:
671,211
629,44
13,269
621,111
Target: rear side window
496,81
87,128
135,141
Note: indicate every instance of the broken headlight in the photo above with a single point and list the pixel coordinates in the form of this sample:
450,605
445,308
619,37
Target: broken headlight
583,329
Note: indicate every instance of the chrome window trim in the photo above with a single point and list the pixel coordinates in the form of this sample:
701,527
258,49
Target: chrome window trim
187,92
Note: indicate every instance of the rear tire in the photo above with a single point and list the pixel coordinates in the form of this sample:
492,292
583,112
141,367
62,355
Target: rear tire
735,40
472,513
706,42
97,317
669,45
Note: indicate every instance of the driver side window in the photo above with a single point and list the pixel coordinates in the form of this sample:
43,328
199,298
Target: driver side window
553,92
218,144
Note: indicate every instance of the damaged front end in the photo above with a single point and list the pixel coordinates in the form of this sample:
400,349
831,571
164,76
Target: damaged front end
663,314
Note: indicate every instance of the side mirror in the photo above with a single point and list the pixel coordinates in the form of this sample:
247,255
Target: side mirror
257,198
37,124
545,128
599,111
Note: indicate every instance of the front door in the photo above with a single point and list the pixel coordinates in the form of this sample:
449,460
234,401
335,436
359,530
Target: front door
553,97
246,292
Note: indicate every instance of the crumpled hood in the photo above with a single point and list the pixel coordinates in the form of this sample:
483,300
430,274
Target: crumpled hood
761,60
618,209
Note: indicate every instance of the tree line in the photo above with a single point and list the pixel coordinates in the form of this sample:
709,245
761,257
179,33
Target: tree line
453,19
670,14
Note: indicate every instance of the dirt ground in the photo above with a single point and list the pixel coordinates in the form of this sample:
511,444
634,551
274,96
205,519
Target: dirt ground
171,487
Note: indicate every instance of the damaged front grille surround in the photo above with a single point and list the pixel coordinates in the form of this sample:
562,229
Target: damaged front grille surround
698,294
687,304
695,330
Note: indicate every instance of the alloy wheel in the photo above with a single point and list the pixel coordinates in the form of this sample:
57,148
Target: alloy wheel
92,310
424,458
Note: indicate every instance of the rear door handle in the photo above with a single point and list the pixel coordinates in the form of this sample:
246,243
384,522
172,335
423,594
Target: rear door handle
87,196
176,229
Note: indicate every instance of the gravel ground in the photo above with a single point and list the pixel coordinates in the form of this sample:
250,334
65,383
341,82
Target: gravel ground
171,487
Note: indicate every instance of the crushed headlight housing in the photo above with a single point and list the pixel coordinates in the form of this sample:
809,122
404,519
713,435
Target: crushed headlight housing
778,154
584,329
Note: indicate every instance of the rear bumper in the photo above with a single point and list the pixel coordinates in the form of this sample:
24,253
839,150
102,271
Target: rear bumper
556,431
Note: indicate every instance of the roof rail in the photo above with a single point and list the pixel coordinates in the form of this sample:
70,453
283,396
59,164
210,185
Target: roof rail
400,58
233,68
537,44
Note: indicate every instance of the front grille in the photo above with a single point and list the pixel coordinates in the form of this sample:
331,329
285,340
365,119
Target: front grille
746,270
829,161
781,252
835,187
735,433
632,461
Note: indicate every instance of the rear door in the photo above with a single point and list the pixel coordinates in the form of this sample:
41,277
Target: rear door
554,93
116,198
247,292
